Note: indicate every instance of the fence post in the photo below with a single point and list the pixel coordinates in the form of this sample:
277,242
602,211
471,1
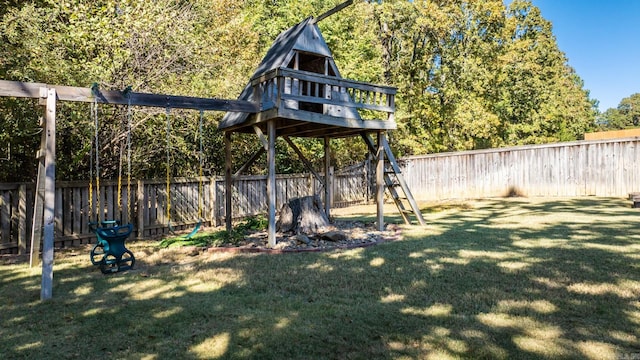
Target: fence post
22,219
212,201
141,208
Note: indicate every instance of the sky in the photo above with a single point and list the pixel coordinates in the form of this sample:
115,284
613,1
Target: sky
601,39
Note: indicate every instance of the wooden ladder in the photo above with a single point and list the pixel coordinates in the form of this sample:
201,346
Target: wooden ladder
395,183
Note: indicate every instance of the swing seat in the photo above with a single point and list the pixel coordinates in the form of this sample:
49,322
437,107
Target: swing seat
189,235
194,231
110,252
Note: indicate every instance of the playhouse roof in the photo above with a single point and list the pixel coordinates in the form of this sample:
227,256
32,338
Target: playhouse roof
304,36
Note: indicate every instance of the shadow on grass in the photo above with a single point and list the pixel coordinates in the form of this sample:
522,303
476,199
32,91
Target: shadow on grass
500,279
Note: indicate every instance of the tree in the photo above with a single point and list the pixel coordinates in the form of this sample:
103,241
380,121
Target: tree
470,74
541,98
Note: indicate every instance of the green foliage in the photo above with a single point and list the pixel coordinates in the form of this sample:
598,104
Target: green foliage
252,223
470,75
625,116
220,237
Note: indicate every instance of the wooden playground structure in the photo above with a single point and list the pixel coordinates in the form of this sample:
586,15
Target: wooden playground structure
296,91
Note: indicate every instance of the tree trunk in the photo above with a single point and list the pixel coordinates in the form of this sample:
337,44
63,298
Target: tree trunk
303,215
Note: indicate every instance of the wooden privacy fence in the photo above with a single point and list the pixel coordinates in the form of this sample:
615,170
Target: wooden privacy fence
581,168
145,205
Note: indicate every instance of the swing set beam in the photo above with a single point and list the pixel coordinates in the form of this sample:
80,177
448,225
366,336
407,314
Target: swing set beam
81,94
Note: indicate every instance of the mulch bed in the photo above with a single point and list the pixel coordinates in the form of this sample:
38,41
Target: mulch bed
350,235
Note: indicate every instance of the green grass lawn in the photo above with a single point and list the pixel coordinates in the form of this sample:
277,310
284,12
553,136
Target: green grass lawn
497,279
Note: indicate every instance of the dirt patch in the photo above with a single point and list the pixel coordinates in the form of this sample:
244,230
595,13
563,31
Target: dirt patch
341,235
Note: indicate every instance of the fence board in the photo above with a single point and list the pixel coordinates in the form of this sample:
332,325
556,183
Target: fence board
5,217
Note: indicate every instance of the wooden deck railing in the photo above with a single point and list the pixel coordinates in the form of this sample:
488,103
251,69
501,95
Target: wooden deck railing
286,85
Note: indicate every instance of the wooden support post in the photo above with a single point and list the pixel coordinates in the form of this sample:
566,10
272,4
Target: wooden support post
49,197
141,206
380,182
38,207
228,181
327,176
271,182
22,216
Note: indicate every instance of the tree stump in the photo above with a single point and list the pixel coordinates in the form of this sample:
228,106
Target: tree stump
304,215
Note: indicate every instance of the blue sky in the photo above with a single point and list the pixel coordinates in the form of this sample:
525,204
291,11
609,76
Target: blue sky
601,39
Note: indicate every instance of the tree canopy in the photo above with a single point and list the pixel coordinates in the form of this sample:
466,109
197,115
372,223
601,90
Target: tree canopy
470,74
625,116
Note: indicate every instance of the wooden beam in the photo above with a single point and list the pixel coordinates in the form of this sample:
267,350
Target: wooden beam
380,182
304,160
228,181
271,182
249,162
327,176
261,137
49,197
80,94
38,207
141,205
333,11
22,216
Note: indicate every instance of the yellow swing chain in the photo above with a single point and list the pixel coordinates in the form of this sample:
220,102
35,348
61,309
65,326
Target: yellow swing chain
129,206
128,145
96,141
168,191
200,172
94,120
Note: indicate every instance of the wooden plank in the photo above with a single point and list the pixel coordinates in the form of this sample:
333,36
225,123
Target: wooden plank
84,211
334,81
213,201
64,210
46,290
228,180
380,184
109,201
302,158
5,217
271,183
337,102
327,176
143,209
76,227
22,219
249,162
38,206
80,94
332,11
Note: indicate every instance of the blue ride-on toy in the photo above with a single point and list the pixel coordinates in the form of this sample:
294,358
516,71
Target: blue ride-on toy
110,253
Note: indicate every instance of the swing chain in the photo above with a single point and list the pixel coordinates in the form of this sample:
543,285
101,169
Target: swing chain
168,190
200,171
